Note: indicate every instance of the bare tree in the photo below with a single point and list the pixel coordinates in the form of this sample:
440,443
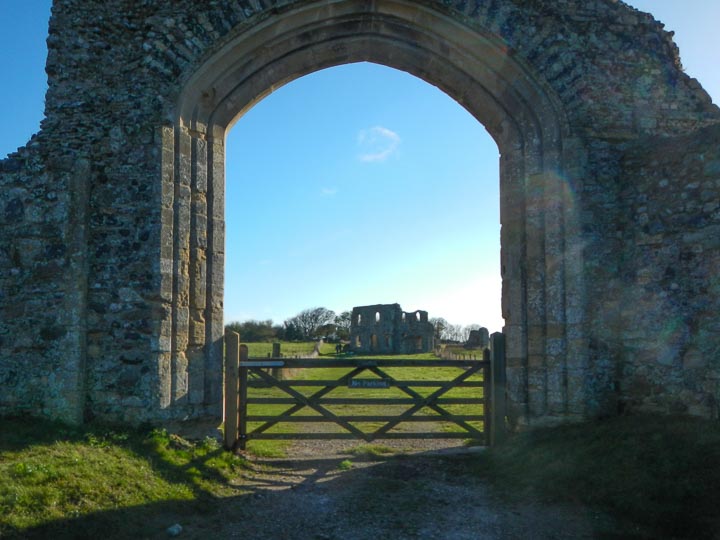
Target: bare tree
444,331
454,332
309,321
441,326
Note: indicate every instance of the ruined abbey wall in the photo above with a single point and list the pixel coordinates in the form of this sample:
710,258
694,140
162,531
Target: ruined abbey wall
667,293
112,249
387,329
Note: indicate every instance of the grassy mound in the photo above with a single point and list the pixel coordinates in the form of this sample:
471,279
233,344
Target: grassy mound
661,474
50,472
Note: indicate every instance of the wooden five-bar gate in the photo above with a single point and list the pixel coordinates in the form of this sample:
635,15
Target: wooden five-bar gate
259,398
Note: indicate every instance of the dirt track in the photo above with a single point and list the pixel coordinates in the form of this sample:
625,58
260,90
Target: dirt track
424,493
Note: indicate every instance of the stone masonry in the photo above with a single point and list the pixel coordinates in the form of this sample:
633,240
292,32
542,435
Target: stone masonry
112,252
387,329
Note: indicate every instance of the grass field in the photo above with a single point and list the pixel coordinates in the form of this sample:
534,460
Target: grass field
289,348
463,353
659,474
292,349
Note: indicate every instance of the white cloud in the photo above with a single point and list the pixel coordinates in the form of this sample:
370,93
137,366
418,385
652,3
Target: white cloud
328,192
377,144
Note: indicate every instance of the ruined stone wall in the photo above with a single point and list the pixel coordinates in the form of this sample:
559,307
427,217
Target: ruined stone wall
667,297
100,242
614,68
81,301
40,301
387,329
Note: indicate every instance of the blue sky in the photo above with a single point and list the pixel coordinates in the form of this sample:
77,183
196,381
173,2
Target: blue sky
354,185
374,189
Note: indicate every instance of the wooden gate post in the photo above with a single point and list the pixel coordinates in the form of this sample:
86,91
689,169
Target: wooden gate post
276,372
232,364
487,397
242,394
498,384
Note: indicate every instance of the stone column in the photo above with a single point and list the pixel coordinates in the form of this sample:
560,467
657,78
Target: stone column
536,301
555,341
215,275
163,312
514,289
198,273
181,270
574,162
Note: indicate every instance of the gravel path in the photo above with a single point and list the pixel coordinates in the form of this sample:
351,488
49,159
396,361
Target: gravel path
321,492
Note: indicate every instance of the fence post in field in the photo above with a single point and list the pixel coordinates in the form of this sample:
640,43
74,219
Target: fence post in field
498,385
232,362
276,372
242,423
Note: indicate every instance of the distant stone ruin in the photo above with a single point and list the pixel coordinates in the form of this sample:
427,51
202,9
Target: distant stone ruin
478,339
387,329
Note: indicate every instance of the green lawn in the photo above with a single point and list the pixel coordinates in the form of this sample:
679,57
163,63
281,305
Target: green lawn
289,348
462,353
321,374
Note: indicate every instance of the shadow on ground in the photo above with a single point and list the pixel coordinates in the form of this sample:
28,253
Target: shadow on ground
414,496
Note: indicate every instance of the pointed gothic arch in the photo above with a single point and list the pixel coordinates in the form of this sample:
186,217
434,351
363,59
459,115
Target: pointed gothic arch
541,270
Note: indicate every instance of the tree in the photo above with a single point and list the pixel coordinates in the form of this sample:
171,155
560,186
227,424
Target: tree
440,325
291,332
326,331
444,331
308,321
454,332
279,332
253,331
342,325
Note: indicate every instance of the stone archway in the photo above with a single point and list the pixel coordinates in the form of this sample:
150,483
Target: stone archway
540,271
112,254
